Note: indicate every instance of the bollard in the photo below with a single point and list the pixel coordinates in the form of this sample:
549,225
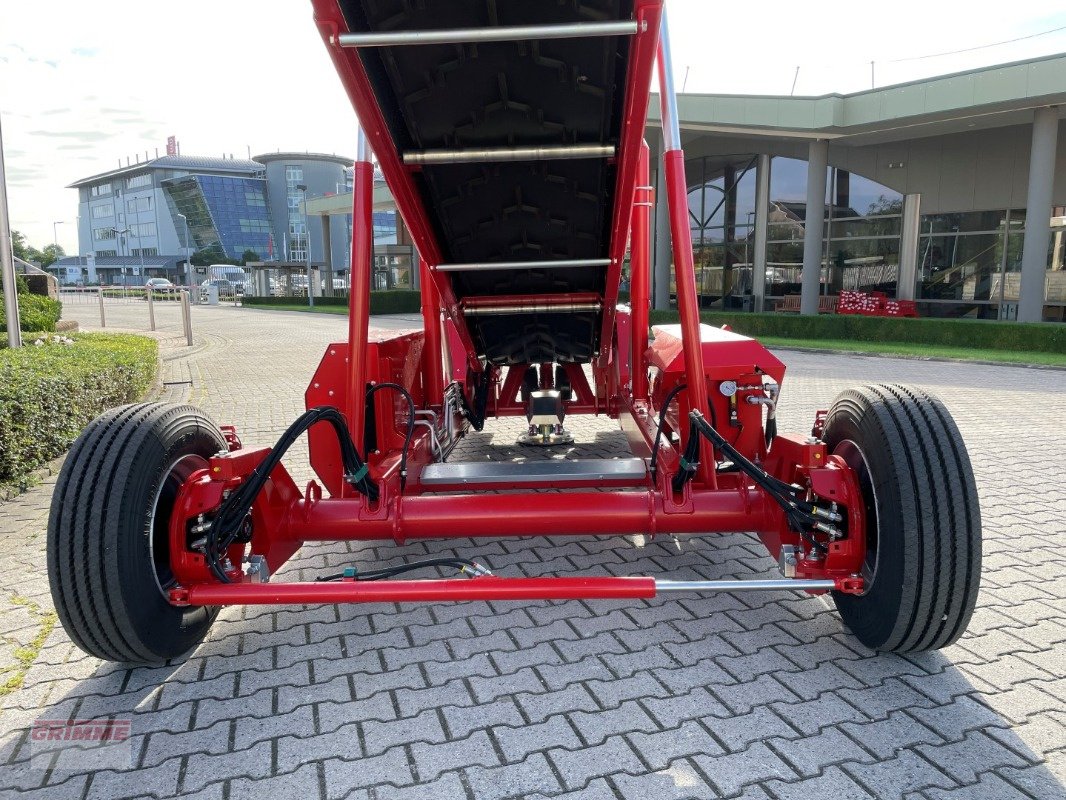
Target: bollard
151,309
100,297
186,316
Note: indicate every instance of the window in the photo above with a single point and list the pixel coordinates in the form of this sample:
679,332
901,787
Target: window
142,229
135,205
144,179
293,174
144,251
969,263
103,210
103,234
100,190
104,253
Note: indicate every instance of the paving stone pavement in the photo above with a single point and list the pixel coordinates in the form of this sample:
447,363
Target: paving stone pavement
748,696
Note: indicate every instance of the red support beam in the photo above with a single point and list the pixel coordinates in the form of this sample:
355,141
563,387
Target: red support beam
476,515
415,591
640,277
684,267
331,24
634,116
432,355
359,296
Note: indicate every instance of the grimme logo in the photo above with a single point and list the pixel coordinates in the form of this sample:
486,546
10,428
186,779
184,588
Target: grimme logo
74,744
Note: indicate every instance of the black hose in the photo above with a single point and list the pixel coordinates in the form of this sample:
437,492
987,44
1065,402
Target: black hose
798,512
659,428
226,525
461,564
410,424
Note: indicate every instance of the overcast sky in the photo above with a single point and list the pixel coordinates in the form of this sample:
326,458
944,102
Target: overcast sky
85,84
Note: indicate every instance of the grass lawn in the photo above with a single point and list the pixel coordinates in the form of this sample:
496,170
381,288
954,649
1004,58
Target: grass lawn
911,350
300,307
920,350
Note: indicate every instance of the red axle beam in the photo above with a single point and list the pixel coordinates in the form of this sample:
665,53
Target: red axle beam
432,516
396,591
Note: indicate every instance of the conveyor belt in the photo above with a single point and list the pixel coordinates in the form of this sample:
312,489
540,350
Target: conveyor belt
548,93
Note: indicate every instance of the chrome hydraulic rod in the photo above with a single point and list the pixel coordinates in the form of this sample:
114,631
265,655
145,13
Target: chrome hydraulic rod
561,263
531,308
513,33
468,155
794,584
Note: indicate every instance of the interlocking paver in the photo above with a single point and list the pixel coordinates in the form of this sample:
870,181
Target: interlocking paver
729,695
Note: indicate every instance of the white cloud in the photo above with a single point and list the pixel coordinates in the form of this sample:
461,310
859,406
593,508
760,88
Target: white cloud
117,76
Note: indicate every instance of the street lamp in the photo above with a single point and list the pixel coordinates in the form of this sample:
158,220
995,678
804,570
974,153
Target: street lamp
55,244
188,253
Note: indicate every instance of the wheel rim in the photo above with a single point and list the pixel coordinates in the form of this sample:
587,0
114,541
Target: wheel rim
159,524
856,459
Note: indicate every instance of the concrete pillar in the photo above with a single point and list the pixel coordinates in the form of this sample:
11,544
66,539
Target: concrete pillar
327,257
907,278
661,268
817,162
1038,214
762,218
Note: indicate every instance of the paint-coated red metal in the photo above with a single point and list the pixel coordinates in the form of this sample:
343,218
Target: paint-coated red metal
432,355
640,274
359,295
426,591
643,48
687,303
473,514
331,23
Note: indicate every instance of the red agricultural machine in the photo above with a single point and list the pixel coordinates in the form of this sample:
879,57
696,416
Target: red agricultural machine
510,134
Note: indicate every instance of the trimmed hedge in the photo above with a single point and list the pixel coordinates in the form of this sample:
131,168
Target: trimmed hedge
36,313
50,392
1041,337
393,301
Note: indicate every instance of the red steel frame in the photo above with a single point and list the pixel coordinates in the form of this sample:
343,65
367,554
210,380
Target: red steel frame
284,516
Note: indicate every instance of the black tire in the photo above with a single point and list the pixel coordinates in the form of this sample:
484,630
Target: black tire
923,564
107,557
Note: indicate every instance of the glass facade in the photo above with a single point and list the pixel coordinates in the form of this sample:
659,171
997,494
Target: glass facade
970,263
225,214
384,227
295,194
861,232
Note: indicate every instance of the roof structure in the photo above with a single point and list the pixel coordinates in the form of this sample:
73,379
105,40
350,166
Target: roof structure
293,155
989,97
190,163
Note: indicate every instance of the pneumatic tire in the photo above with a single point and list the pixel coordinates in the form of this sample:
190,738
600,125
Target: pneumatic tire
923,522
108,554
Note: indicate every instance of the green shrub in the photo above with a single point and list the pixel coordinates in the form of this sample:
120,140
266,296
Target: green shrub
50,392
396,301
392,301
36,313
1042,337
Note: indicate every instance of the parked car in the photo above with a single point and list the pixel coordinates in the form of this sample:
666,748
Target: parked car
159,285
227,290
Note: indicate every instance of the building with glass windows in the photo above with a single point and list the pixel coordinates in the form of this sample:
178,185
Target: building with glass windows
949,191
145,219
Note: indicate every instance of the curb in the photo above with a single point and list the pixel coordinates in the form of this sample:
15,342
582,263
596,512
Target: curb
900,356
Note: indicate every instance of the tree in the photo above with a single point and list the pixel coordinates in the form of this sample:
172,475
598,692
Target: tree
51,254
249,255
25,251
212,254
18,243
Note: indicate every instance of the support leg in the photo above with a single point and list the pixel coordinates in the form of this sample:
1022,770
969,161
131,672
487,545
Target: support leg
640,267
681,235
359,293
432,363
